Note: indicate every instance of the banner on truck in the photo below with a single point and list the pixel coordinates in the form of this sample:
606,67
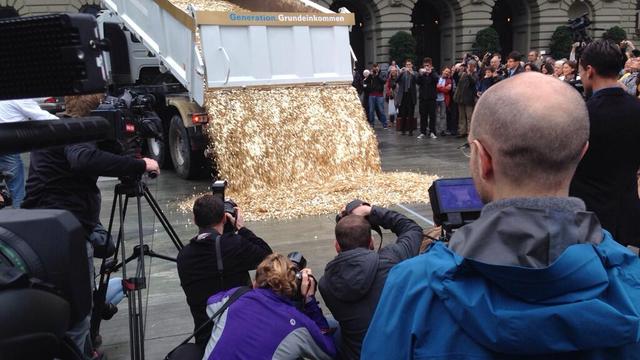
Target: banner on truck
273,19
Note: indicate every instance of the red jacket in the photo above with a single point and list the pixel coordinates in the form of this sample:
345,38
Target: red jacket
447,92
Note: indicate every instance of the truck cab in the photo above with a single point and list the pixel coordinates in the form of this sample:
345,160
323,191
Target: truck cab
133,65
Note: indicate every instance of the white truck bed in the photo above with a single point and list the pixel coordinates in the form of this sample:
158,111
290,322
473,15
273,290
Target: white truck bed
241,49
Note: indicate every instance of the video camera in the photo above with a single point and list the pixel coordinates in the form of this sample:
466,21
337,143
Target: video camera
455,203
43,270
578,28
133,120
218,189
45,284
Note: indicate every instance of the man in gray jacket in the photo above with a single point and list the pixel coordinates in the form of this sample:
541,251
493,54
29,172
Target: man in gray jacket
353,281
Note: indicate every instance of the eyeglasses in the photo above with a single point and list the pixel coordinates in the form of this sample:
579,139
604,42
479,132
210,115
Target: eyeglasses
465,149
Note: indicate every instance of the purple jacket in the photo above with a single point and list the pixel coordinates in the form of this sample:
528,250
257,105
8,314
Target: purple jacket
264,325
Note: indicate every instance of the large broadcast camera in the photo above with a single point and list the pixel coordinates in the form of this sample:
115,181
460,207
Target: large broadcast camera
133,120
44,276
578,27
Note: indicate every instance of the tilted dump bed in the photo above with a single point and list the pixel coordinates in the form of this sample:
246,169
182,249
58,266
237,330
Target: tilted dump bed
241,48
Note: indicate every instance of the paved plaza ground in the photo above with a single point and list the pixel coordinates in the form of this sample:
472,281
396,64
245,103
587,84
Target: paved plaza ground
168,320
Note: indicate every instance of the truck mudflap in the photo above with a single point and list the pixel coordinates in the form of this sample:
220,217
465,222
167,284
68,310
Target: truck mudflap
198,138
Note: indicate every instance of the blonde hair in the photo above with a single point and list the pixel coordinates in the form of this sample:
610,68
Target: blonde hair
81,105
278,273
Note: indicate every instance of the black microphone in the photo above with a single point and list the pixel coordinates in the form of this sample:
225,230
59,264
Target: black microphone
23,136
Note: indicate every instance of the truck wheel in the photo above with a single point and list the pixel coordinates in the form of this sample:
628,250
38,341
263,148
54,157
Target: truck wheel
158,150
187,163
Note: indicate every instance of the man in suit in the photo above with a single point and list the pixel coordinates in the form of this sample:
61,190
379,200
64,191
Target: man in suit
406,98
606,178
428,81
514,67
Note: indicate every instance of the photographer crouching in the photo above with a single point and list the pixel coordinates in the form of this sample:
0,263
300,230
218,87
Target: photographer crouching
65,178
218,259
354,279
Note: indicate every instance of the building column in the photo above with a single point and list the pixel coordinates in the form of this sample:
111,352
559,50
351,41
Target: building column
394,16
476,15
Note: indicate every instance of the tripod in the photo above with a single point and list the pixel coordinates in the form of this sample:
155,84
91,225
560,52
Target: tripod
133,286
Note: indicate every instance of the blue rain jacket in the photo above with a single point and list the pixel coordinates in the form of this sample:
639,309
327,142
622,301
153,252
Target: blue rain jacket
440,305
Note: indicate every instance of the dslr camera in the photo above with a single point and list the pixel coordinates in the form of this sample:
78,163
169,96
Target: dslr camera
218,189
299,263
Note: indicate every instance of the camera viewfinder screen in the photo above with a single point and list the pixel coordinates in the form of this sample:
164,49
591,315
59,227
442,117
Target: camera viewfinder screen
458,195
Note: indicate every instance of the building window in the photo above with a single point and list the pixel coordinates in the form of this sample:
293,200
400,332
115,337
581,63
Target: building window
579,8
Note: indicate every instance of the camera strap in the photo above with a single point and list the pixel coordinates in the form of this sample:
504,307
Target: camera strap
219,260
235,296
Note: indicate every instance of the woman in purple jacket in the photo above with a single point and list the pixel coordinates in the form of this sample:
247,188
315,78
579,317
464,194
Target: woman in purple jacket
265,324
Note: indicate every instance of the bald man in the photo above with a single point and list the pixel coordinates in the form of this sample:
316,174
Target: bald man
535,276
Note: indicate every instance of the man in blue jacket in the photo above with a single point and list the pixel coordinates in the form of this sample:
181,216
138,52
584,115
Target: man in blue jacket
535,276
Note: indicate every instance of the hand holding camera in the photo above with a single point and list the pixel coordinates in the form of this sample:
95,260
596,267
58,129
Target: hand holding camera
238,220
308,285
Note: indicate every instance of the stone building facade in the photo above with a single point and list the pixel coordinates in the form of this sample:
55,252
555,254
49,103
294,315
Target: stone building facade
38,7
445,29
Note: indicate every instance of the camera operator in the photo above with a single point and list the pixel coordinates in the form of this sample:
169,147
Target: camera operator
65,177
216,260
354,279
536,276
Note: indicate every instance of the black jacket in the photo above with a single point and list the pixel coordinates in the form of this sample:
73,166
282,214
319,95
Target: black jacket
407,90
518,70
606,177
353,281
198,269
65,178
375,84
427,86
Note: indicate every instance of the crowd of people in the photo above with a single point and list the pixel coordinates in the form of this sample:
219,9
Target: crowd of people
543,273
445,100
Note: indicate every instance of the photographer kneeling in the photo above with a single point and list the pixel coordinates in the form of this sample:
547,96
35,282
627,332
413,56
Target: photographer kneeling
263,323
65,178
353,281
216,259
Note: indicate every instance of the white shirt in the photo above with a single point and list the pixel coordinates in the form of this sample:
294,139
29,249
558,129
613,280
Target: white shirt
21,110
441,82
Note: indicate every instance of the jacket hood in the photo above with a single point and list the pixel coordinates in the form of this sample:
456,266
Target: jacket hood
350,275
519,304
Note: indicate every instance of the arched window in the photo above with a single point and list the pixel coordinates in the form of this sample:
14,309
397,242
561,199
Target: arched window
579,8
426,30
361,36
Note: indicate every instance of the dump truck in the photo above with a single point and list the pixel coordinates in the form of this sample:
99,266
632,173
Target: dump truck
178,55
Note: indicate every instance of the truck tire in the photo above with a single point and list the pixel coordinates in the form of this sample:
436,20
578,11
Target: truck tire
187,163
158,150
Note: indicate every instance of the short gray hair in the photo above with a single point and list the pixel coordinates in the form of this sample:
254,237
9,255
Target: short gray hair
534,139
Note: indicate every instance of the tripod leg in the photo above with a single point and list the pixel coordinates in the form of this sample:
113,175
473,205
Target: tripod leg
162,217
135,286
99,297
